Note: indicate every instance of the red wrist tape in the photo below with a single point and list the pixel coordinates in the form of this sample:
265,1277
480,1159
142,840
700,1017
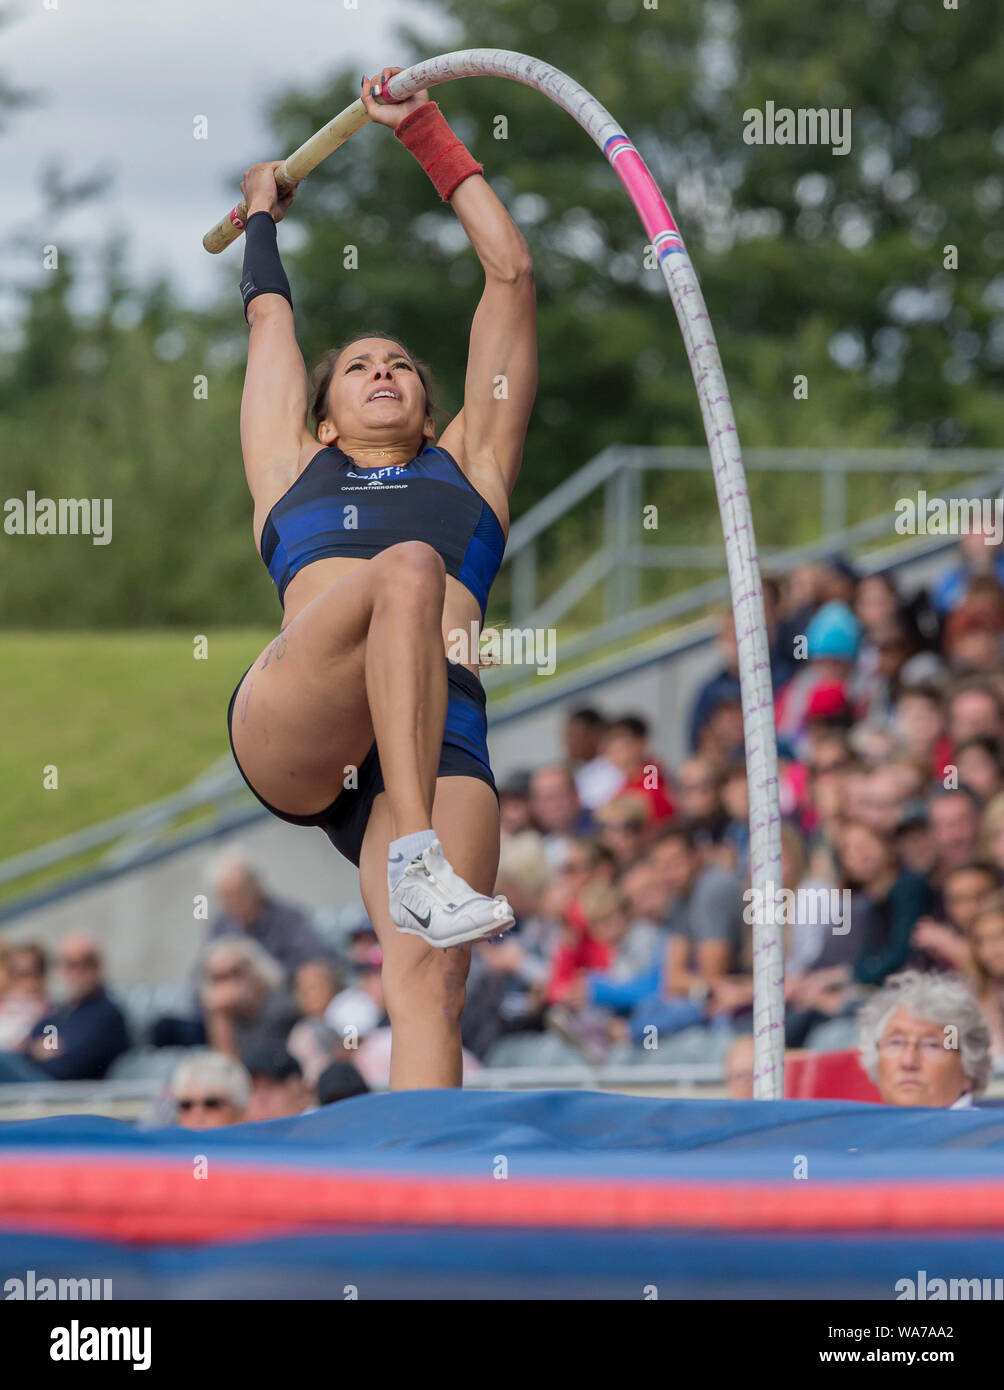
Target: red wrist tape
441,153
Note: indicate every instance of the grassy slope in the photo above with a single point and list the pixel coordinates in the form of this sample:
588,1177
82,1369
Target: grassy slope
125,717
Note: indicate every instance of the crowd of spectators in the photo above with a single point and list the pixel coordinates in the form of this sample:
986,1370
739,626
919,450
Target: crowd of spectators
629,881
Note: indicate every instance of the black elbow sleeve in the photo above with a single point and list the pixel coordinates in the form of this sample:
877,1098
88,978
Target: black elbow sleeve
263,272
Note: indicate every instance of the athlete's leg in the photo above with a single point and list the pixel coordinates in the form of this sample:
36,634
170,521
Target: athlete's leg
363,660
424,987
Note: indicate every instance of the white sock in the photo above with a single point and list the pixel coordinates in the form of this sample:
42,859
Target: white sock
402,851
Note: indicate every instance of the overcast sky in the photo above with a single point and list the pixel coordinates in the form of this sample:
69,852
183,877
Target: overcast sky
120,83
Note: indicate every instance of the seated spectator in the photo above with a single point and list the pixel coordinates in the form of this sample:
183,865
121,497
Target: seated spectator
838,581
507,980
314,1046
821,798
890,640
315,984
589,861
556,811
624,824
340,1081
886,902
244,1002
828,711
924,1041
945,944
596,777
579,947
971,641
358,1009
955,827
514,804
881,797
832,639
802,592
277,1086
724,682
986,939
23,1000
705,919
805,936
876,606
721,740
612,964
920,726
630,923
210,1090
79,1039
978,761
723,688
915,844
700,804
734,850
627,746
247,910
979,555
975,710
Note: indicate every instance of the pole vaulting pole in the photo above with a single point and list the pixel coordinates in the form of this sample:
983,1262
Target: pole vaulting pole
726,460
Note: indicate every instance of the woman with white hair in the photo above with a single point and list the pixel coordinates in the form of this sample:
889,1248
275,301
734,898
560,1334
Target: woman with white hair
210,1090
924,1041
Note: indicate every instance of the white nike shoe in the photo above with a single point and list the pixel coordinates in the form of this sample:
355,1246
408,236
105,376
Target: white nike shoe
430,900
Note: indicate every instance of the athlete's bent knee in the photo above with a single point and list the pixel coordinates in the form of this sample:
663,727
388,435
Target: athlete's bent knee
411,567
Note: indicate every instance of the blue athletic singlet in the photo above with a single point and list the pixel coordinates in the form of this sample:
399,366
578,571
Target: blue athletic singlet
335,508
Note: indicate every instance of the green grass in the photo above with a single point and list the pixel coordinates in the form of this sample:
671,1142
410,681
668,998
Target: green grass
125,718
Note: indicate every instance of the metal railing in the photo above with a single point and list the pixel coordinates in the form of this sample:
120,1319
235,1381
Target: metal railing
617,565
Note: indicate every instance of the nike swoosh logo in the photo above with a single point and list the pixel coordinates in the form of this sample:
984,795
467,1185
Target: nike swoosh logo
395,858
422,921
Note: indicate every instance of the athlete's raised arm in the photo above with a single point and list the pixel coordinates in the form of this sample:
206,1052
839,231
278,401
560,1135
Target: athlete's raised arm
487,435
274,403
501,380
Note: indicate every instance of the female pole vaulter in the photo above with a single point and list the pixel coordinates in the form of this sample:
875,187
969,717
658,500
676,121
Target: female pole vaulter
381,543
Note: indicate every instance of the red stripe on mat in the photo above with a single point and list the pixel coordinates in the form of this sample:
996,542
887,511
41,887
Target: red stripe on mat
161,1201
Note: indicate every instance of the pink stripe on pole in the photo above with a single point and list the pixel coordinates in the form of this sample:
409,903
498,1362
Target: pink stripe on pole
643,190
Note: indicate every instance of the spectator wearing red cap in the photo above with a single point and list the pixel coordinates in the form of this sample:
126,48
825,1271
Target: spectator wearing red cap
833,638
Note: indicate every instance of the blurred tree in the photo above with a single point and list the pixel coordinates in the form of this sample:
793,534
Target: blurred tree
812,264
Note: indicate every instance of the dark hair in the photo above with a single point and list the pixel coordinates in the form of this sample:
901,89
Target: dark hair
974,866
679,830
339,1081
587,715
988,745
921,691
632,724
320,377
36,952
940,793
966,685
